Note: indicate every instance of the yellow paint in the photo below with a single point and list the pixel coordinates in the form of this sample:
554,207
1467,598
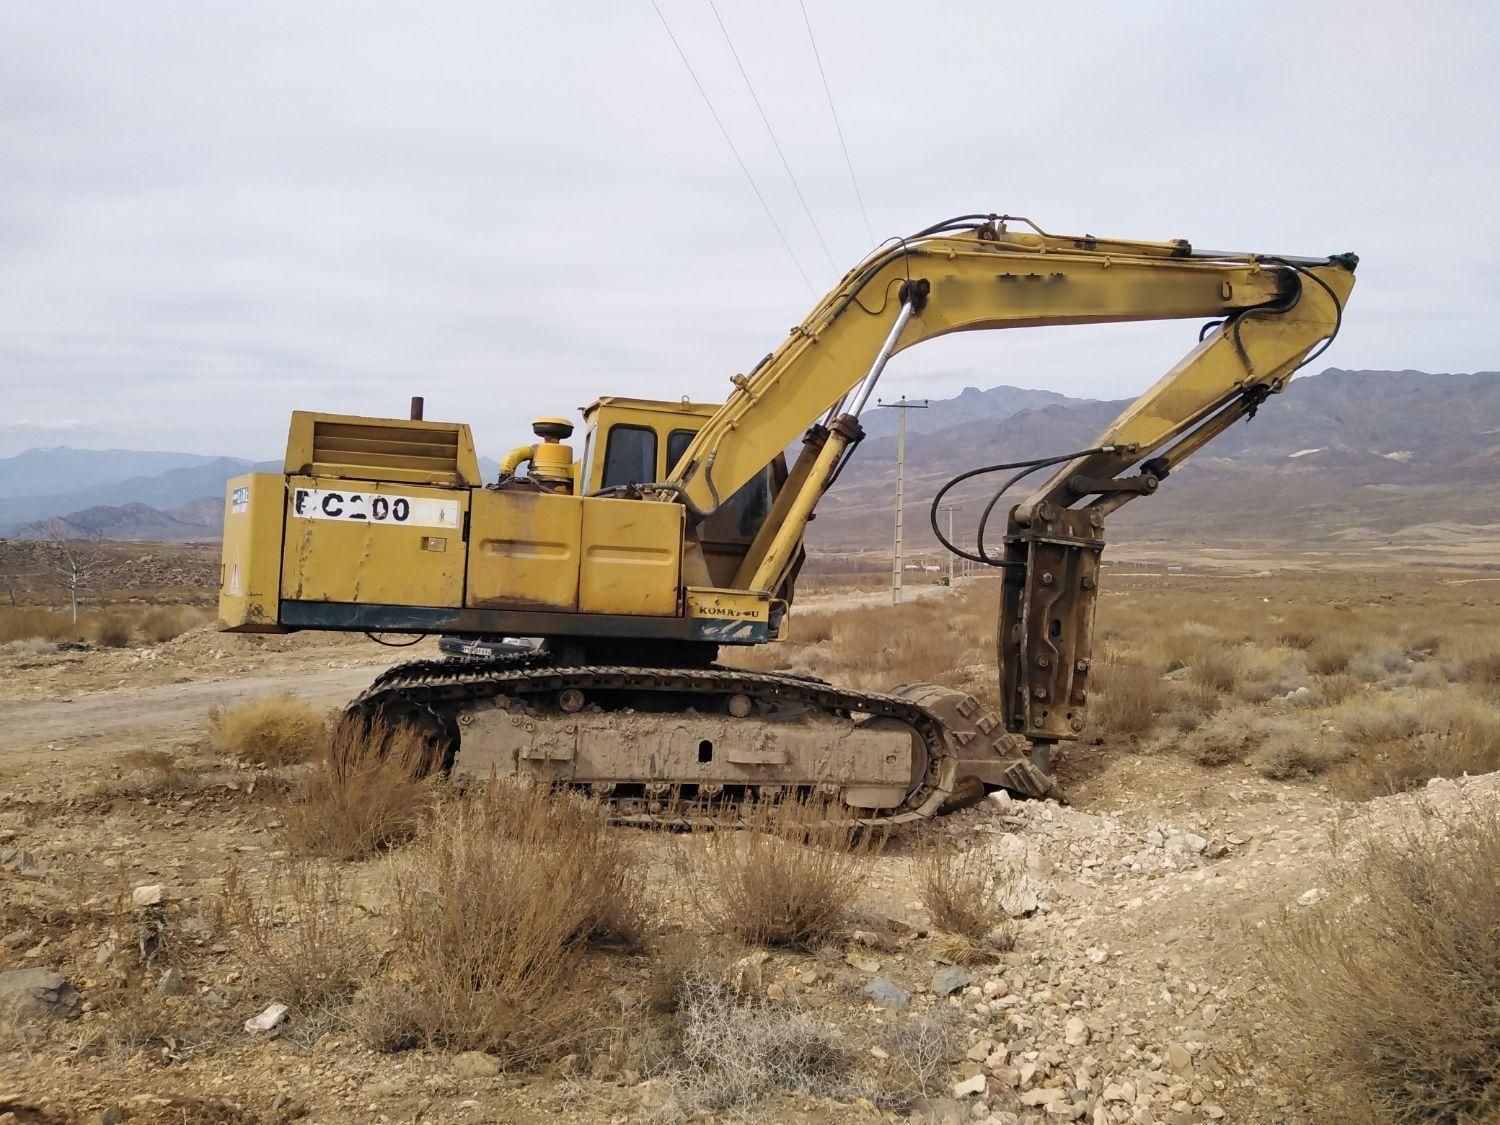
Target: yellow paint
524,550
250,571
349,447
370,563
632,556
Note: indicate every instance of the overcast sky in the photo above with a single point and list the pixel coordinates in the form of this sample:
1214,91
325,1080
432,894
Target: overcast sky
212,214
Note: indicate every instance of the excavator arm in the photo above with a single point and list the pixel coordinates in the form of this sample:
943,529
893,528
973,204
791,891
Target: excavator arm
976,273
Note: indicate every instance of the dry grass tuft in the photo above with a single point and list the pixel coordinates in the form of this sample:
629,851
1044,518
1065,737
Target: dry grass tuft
275,730
370,790
1129,696
786,879
494,905
965,894
1216,666
151,773
1331,653
164,623
1388,986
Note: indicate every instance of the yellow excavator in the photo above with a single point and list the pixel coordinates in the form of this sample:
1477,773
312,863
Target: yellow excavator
678,531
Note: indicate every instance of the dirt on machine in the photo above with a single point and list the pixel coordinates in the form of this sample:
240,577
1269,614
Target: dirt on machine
676,533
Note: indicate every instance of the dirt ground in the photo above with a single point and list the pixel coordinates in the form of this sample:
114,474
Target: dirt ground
1132,994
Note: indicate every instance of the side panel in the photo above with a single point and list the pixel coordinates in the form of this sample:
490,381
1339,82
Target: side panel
250,572
524,550
373,542
632,557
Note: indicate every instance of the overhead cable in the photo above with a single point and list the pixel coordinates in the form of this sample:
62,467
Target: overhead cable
869,231
730,142
766,121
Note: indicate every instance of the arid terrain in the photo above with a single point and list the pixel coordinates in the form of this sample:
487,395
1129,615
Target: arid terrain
1146,950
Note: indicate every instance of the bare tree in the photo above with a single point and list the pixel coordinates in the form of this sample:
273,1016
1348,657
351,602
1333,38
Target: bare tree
12,574
73,560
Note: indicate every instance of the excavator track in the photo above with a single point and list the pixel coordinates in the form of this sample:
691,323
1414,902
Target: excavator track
448,695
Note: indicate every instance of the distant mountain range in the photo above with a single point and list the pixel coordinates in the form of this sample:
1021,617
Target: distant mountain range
1340,456
117,480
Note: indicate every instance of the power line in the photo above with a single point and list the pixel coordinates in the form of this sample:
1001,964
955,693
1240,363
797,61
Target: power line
772,132
727,140
842,143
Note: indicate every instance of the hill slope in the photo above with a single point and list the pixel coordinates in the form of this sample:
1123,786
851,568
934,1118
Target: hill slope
1361,452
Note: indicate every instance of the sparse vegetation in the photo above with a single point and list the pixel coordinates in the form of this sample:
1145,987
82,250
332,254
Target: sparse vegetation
493,906
1390,983
785,879
370,789
1130,696
732,1051
110,630
274,730
299,934
964,891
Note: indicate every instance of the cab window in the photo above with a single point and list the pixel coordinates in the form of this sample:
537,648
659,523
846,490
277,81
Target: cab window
752,503
677,443
629,456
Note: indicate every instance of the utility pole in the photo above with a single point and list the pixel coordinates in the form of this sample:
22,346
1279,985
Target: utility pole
903,406
952,558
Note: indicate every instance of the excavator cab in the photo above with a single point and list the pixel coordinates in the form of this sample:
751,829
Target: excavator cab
633,441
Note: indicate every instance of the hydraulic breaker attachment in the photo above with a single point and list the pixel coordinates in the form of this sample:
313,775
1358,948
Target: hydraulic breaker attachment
1046,629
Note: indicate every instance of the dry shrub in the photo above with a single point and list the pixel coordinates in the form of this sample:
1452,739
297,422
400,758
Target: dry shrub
1459,735
1483,670
1216,666
812,628
1292,755
25,623
298,935
371,789
1276,746
965,893
275,730
151,773
30,646
493,907
1331,653
1128,696
787,878
111,630
922,1048
1377,718
163,623
1375,665
733,1050
1388,986
1336,688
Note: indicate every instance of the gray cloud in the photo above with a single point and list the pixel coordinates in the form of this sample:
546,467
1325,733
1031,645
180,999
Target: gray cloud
213,214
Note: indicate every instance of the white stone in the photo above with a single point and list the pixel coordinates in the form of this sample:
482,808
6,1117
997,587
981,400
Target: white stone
1044,1095
969,1086
1076,1033
268,1020
1312,896
147,895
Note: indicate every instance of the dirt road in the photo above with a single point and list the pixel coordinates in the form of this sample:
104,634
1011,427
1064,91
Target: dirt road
168,709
